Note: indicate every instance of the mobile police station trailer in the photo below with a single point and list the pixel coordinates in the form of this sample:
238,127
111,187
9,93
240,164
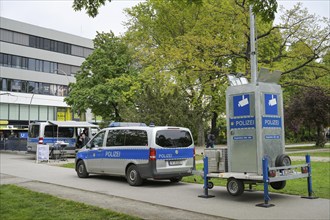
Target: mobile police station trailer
255,135
256,142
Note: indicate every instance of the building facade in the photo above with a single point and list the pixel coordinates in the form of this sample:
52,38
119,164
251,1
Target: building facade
36,66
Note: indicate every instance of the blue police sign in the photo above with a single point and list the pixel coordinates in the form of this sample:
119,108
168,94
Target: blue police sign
271,104
241,105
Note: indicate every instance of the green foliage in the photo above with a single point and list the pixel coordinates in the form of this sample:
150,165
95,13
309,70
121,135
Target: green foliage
171,66
91,7
265,8
105,78
310,108
20,203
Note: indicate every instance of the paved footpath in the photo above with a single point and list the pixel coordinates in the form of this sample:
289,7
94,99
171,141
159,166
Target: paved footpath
155,199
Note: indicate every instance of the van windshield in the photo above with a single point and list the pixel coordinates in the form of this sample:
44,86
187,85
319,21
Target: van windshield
51,131
173,138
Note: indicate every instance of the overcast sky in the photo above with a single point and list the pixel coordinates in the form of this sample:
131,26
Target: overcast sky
59,15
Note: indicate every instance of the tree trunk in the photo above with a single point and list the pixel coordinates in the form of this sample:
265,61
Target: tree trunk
321,137
214,129
201,136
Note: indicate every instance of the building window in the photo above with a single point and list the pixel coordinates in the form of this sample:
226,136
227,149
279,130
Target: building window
32,41
46,67
23,112
47,44
45,88
32,64
34,112
53,89
43,113
13,112
22,39
24,63
6,35
4,111
4,85
16,85
31,87
51,113
44,43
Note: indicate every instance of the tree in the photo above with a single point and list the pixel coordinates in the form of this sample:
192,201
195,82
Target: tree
310,108
191,49
105,78
265,7
187,49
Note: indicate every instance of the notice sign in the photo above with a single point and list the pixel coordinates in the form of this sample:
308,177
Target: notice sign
42,153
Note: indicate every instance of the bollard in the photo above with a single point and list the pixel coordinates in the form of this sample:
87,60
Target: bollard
309,179
266,181
206,179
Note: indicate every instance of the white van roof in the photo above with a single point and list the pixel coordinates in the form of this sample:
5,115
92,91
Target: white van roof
79,124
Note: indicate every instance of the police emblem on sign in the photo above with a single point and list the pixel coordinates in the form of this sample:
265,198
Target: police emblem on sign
176,151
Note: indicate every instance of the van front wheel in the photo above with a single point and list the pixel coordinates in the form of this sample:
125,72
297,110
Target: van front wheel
81,170
133,176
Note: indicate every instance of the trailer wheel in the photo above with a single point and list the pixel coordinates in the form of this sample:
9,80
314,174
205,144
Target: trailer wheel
278,185
210,185
235,187
282,160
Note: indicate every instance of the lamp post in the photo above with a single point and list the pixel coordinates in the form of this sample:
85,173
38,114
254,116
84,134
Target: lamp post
253,55
30,107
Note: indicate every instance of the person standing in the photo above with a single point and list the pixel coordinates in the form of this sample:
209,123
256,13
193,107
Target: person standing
210,140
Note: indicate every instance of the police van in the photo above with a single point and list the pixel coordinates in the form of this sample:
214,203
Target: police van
52,132
138,153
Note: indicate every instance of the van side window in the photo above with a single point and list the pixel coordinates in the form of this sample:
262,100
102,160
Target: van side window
127,138
136,138
116,138
97,141
34,131
51,131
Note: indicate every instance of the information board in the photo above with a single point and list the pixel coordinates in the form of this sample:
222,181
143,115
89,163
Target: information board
42,153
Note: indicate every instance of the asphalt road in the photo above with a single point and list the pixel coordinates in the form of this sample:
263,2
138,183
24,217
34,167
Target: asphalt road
155,199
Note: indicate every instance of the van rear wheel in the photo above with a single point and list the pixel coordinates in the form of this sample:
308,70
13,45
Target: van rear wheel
133,176
175,179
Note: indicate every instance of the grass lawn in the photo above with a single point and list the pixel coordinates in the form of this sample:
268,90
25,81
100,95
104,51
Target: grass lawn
20,203
288,149
320,181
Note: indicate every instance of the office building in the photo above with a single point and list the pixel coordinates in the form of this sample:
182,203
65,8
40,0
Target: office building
36,66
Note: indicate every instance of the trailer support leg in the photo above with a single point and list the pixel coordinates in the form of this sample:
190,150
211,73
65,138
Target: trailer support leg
206,179
309,179
266,181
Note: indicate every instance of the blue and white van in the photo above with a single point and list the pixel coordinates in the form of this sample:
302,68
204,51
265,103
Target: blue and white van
52,132
138,153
